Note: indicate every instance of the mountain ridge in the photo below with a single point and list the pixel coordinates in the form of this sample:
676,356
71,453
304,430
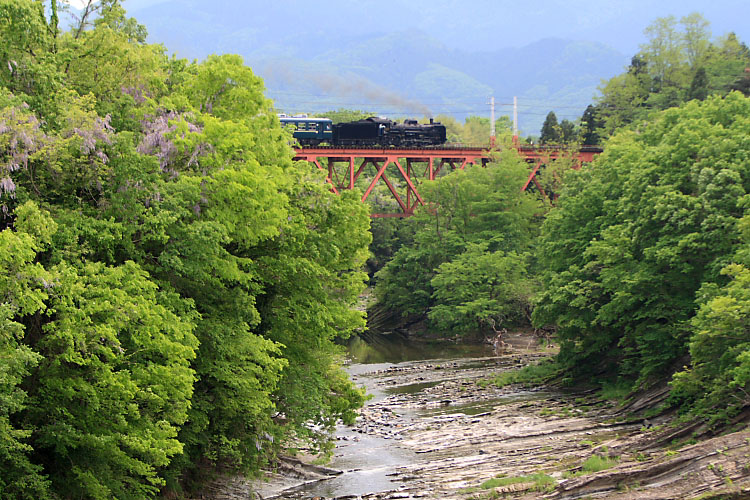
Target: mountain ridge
309,67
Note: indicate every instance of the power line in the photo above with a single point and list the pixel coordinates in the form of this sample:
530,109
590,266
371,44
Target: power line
525,102
399,108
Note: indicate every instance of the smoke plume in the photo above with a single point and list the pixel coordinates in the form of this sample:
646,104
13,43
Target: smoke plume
350,86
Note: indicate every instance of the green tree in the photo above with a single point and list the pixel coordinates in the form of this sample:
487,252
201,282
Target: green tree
695,38
30,66
624,97
725,61
115,384
679,63
312,280
480,289
155,232
590,126
346,115
243,223
633,238
699,86
718,379
467,207
112,63
550,133
568,133
742,84
476,130
176,229
23,291
664,51
453,129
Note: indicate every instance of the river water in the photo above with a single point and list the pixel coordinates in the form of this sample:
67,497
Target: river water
368,461
436,428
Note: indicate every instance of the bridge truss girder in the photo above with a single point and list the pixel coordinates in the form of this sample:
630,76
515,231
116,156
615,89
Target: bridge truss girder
405,165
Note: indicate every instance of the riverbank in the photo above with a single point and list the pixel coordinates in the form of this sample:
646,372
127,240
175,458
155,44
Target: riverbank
440,431
543,443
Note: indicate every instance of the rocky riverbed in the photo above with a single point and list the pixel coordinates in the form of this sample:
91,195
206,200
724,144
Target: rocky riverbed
443,432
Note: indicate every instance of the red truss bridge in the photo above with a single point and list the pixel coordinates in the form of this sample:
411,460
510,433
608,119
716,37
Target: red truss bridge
411,167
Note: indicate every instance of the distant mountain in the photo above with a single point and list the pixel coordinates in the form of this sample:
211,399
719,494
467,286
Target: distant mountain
313,60
469,25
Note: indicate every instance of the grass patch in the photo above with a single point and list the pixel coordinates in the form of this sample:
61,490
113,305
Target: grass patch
615,391
541,481
472,489
546,412
596,463
536,374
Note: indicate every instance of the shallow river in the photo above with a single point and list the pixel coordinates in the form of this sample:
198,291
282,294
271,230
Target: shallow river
368,460
435,428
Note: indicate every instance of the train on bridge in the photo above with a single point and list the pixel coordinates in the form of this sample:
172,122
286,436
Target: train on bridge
373,131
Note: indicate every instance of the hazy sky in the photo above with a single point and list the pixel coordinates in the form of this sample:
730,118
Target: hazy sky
508,23
195,28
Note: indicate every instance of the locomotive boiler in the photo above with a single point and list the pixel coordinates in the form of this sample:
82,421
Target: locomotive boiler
373,131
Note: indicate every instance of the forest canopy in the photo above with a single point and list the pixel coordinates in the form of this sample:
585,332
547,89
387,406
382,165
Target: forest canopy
646,253
679,62
171,281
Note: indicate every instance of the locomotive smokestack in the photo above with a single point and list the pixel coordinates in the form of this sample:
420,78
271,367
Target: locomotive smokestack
431,121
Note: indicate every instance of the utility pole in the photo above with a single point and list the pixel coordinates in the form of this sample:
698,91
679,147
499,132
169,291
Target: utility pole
492,121
515,120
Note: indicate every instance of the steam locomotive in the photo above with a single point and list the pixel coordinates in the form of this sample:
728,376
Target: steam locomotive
371,131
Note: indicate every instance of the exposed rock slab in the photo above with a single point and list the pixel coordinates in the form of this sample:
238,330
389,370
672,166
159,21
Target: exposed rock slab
465,432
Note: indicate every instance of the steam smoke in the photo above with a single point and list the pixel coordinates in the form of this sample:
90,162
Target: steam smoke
350,86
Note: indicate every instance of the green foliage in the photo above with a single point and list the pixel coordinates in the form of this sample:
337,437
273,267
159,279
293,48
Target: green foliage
476,130
475,221
564,132
29,66
313,279
677,64
718,380
115,383
346,115
596,463
550,133
172,283
388,235
552,176
23,291
477,287
529,375
699,86
590,124
541,481
113,64
635,235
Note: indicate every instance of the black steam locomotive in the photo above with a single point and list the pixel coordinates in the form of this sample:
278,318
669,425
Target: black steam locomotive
368,132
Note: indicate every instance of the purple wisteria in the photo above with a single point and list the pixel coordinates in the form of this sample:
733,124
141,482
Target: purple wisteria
20,137
157,141
139,93
98,131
